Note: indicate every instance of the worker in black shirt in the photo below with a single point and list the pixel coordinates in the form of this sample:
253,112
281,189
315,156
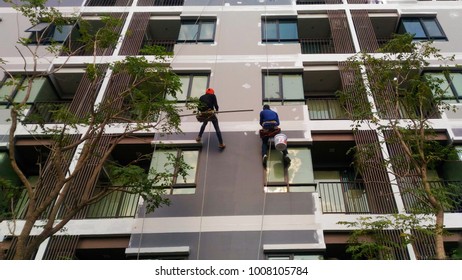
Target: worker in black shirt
208,105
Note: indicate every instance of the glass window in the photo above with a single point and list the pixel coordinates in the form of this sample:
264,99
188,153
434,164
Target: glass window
297,177
41,90
450,83
192,86
422,28
177,182
197,31
45,33
294,256
279,30
116,204
283,88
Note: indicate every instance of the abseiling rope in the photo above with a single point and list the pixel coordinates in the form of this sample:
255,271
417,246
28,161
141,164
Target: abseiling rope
175,54
266,170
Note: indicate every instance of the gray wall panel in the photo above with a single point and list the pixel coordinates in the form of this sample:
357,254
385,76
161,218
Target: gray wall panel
243,245
241,185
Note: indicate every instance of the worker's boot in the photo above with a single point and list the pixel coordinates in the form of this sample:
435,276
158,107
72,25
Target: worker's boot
265,161
222,146
286,160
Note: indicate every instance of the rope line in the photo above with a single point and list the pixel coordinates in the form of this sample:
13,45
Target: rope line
208,138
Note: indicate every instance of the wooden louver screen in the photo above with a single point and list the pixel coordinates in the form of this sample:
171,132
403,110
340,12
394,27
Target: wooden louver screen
61,247
364,31
341,36
133,41
374,173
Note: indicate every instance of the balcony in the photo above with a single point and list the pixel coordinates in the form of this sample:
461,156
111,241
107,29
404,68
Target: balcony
320,84
160,2
318,2
107,3
163,33
452,188
167,45
326,109
46,112
313,46
348,197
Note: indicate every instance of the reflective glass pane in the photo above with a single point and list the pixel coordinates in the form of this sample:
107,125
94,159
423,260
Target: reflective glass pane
198,86
207,31
413,26
456,79
288,31
188,32
302,189
39,27
160,163
272,87
184,191
271,189
443,83
433,30
181,95
301,166
7,90
275,167
61,33
36,87
292,87
308,257
270,31
190,158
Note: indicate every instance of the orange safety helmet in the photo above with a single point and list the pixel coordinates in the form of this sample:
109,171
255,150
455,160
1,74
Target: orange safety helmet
209,91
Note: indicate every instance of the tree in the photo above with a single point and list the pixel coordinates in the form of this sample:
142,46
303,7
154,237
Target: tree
135,105
405,102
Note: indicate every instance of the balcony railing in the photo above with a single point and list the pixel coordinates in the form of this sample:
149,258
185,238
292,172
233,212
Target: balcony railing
318,2
325,109
45,112
168,45
107,3
452,188
343,197
160,2
312,46
114,205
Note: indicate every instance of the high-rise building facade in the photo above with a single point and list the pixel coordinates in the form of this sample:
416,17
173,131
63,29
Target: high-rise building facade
286,53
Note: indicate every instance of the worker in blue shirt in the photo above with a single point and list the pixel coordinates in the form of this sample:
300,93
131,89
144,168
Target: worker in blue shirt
269,121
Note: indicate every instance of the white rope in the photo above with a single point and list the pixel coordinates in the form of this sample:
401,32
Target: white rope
267,170
203,192
208,145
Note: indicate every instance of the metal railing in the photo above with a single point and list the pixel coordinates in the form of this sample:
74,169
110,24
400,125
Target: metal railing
343,197
46,112
106,3
312,46
410,192
168,45
318,2
167,2
114,205
325,109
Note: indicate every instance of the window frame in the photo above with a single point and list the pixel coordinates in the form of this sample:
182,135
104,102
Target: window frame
17,92
191,77
278,32
174,187
283,99
286,186
199,23
293,256
47,32
420,20
456,93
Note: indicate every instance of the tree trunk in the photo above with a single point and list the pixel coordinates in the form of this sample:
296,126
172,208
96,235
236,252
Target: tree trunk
439,240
